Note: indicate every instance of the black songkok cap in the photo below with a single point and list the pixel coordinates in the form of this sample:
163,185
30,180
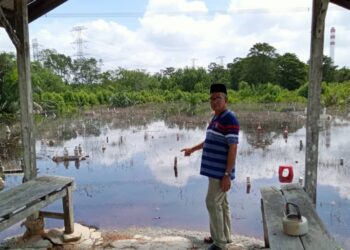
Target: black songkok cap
218,87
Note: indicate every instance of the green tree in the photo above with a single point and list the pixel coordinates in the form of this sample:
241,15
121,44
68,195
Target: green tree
166,78
136,79
262,49
107,77
86,71
168,72
45,79
328,69
236,72
291,72
9,93
342,75
60,64
260,64
187,78
217,73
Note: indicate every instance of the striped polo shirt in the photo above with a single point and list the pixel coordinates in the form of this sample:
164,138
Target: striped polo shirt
221,132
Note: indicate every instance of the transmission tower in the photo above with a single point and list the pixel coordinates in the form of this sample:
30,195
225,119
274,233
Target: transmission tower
332,44
35,46
194,62
221,60
79,41
100,64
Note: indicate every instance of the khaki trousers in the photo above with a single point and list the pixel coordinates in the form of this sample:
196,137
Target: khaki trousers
219,213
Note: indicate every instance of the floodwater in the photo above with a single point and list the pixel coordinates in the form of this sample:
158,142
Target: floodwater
129,178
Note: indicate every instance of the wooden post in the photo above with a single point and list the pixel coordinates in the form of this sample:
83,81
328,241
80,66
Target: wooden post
34,223
2,175
68,211
25,89
319,10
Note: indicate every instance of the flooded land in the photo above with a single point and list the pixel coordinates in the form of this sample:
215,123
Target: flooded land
133,173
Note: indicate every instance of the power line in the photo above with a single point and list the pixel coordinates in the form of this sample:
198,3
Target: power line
176,13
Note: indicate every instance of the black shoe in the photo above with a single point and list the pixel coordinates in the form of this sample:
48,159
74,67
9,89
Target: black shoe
214,247
208,240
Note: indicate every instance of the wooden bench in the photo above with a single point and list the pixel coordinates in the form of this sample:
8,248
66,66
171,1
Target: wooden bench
19,202
273,202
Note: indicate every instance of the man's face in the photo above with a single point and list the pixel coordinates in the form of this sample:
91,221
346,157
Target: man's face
218,101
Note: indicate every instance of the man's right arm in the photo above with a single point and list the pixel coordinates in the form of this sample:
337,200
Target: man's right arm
189,151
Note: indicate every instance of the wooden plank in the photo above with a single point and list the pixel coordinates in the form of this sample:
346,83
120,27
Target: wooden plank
13,171
274,203
31,191
52,215
317,231
24,195
68,212
30,210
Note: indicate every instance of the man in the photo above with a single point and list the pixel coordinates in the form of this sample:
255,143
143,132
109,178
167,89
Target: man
218,164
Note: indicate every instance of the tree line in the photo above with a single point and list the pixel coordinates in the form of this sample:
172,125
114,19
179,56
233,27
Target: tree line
62,84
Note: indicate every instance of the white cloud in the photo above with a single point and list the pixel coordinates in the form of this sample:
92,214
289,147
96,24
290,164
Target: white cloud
172,33
175,6
119,46
5,42
268,6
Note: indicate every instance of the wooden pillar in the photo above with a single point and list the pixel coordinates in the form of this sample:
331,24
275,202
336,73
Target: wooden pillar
68,212
34,223
25,89
319,10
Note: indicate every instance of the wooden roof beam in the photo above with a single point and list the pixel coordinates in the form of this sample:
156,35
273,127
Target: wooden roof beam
7,11
9,28
41,7
342,3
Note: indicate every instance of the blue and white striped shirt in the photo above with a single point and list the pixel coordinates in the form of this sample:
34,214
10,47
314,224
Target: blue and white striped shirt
221,133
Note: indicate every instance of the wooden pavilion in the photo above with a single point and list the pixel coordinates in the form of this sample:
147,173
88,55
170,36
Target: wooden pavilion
14,17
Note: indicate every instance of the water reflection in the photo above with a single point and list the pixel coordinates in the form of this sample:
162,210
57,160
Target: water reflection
262,130
136,175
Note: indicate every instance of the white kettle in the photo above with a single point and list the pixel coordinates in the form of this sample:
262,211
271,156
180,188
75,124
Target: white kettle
294,224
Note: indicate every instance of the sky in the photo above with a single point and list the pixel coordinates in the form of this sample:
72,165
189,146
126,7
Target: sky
152,35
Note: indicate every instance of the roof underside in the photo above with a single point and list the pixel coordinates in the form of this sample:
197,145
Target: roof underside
36,8
343,3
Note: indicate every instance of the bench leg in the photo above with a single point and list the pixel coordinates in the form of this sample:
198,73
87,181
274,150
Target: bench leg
34,225
68,212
